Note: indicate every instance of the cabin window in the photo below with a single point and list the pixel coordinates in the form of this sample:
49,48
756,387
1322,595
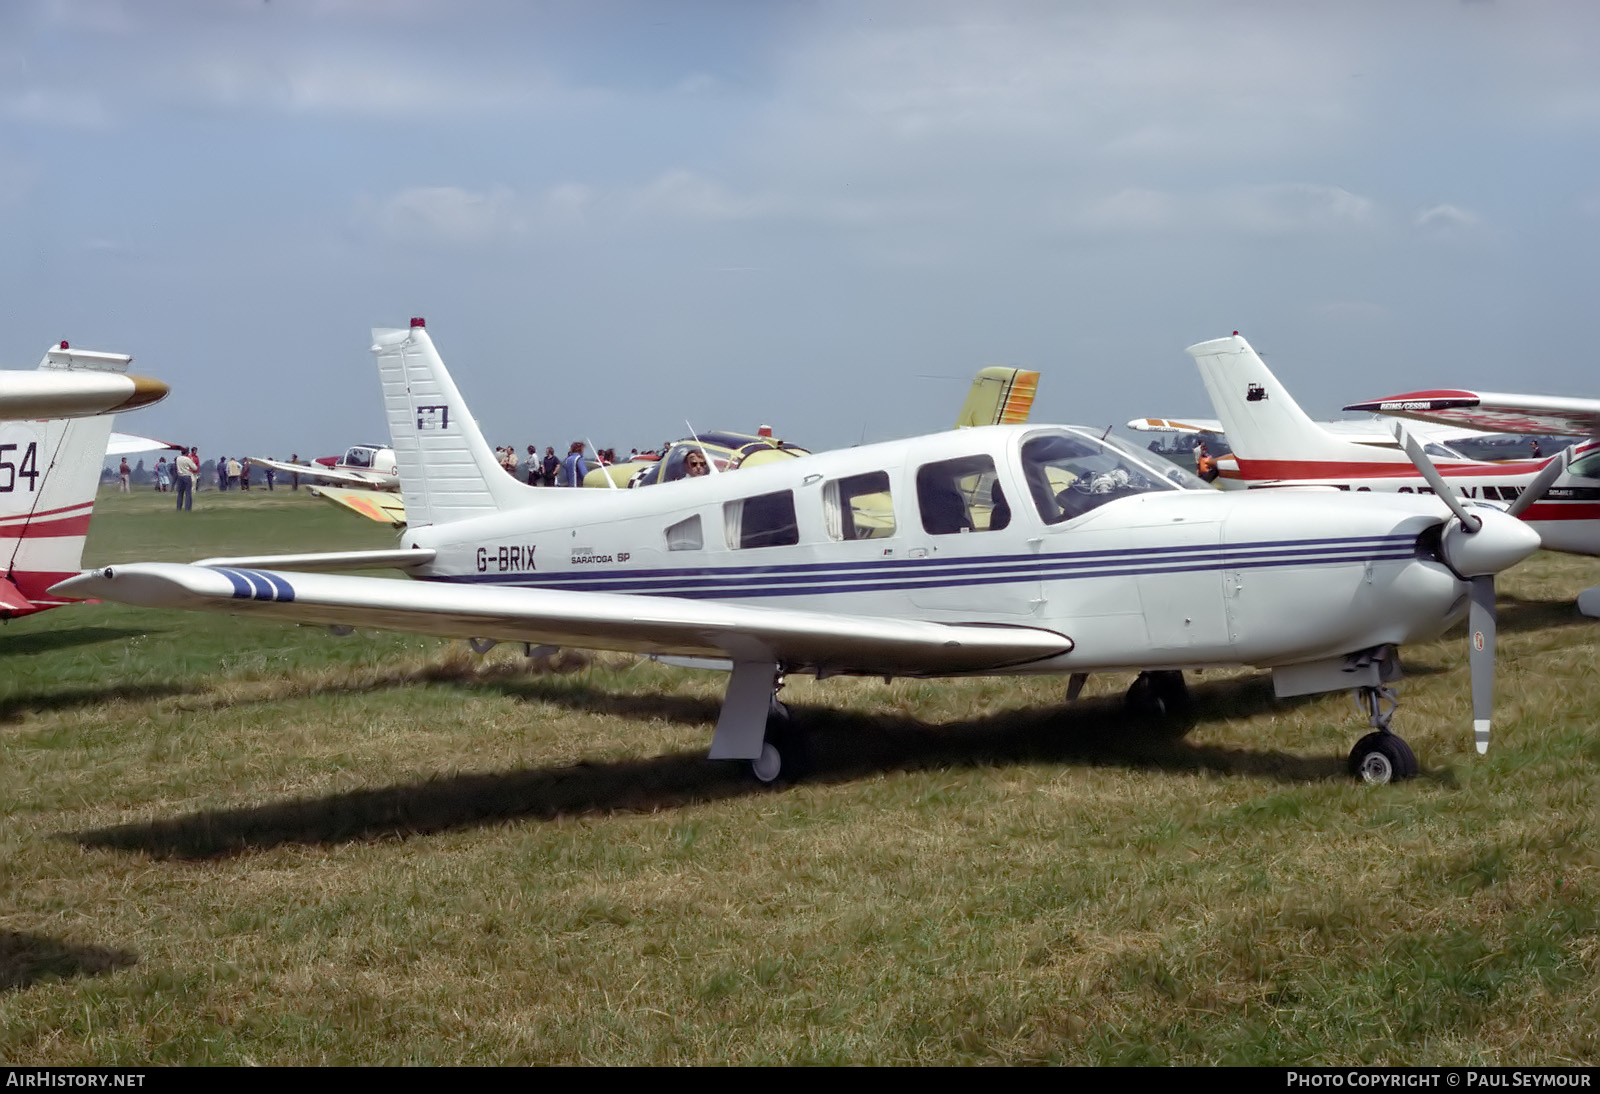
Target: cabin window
766,520
685,535
961,496
1586,466
858,507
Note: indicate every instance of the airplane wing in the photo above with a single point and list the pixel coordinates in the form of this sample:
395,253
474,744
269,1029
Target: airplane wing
1173,425
127,444
802,641
383,506
54,392
1493,411
324,474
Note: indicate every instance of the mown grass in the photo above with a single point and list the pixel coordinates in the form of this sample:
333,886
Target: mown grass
228,842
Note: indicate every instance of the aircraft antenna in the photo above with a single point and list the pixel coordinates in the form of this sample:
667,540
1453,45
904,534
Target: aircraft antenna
598,462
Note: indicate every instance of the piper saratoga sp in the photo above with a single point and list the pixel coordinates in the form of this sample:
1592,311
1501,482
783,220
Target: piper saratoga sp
1021,549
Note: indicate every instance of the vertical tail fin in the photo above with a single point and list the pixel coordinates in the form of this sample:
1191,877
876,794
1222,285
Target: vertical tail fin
49,473
999,396
447,471
1260,417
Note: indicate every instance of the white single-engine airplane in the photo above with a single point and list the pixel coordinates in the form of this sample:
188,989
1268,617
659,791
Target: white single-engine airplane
50,465
1276,444
992,550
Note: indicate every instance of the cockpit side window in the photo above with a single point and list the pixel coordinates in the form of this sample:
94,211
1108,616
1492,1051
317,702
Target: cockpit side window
1586,466
1068,475
961,496
358,457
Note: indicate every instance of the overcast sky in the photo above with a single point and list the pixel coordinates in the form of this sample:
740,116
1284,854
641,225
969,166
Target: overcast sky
617,216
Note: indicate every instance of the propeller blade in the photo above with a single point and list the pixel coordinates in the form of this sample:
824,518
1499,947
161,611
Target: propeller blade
1469,521
1480,657
1547,475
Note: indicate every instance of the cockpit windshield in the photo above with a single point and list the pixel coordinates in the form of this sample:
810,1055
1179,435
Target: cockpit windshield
1070,473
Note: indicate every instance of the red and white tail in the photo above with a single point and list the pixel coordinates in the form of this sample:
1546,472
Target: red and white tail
1271,437
49,473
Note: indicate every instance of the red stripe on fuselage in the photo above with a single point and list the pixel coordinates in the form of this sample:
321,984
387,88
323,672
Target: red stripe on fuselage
1257,470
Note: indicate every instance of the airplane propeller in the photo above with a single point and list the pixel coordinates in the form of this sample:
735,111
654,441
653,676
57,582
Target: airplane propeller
1477,546
1547,475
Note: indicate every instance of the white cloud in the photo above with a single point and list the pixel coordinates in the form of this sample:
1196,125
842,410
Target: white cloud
449,214
55,107
1447,220
1295,208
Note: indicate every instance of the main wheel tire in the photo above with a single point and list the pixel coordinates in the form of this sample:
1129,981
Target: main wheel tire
1158,695
784,752
768,766
1380,758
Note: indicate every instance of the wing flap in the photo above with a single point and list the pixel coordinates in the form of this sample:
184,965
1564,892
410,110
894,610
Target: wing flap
800,640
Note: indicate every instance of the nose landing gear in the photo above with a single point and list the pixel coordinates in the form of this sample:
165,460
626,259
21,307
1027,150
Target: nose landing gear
1381,756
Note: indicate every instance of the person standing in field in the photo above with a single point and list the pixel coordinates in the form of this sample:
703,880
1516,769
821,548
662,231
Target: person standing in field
163,471
188,469
123,472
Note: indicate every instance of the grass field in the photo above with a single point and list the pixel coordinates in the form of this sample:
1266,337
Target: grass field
227,842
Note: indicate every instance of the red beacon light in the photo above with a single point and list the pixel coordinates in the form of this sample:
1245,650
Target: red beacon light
418,321
764,431
64,344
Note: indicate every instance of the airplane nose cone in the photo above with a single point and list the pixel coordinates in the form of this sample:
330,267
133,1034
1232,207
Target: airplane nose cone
145,392
1501,543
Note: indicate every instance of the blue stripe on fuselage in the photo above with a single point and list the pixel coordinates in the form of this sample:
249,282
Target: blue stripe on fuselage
910,574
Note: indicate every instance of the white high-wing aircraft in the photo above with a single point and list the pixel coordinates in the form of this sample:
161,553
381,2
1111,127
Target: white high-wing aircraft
1276,444
50,467
1564,497
1000,549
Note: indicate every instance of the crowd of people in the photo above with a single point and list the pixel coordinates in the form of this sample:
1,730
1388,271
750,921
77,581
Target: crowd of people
182,475
569,470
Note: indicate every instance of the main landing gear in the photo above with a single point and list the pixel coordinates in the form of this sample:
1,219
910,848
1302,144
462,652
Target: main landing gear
754,726
1157,695
1381,756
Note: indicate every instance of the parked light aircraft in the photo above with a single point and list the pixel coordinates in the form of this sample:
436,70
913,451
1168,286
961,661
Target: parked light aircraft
1001,549
1564,497
50,467
1275,444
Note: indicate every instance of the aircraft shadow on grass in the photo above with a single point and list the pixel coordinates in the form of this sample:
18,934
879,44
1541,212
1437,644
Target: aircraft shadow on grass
51,640
843,747
26,959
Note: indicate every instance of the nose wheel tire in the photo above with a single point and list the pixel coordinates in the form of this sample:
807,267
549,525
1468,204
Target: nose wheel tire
1380,758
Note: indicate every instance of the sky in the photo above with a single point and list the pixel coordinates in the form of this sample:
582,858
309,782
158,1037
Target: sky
621,217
